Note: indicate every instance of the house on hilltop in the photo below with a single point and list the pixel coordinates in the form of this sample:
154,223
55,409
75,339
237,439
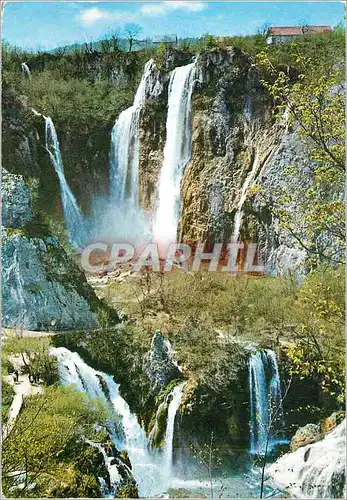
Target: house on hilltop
283,34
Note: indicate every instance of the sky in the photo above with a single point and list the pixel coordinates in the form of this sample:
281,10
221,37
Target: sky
46,25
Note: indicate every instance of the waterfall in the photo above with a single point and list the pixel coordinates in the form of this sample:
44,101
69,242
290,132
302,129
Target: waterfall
72,212
111,466
239,210
258,403
124,154
177,152
26,70
316,470
145,466
265,401
170,427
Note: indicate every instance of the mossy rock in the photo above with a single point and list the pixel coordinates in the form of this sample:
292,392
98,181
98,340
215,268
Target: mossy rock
128,490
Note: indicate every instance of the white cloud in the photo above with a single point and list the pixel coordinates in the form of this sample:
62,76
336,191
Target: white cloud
153,9
161,8
90,16
189,6
93,15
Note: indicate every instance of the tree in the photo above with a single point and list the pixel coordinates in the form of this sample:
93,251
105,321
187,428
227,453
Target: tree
264,28
45,433
311,206
207,457
131,32
34,353
318,350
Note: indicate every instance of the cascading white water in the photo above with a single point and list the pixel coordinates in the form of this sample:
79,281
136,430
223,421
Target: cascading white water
316,470
115,477
146,465
265,401
25,70
72,212
124,154
170,427
275,389
176,154
246,185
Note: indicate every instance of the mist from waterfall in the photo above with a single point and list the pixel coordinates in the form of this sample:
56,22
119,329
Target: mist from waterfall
316,470
73,214
119,217
25,70
177,153
126,433
265,402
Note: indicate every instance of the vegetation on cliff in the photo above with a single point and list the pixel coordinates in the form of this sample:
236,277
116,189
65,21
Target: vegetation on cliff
212,320
310,93
45,454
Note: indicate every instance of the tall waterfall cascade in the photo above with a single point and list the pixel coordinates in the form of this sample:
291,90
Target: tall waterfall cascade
25,70
72,212
170,427
125,143
266,411
127,434
316,470
177,153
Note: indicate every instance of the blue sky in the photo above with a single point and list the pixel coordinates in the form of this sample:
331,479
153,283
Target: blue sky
46,25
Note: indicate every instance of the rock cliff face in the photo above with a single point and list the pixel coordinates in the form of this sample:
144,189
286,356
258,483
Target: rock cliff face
159,363
316,470
235,145
43,289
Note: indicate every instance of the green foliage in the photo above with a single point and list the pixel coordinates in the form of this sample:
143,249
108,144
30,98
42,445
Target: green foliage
319,350
310,206
35,355
209,41
128,490
73,103
7,394
118,351
43,443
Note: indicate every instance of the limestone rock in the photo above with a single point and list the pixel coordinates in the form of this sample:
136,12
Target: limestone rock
16,201
308,434
42,288
329,423
159,363
311,433
314,471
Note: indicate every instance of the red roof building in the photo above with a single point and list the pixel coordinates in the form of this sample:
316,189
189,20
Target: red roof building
278,34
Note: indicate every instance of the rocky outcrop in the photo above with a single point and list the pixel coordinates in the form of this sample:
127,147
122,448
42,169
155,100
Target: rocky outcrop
43,289
316,470
217,401
231,137
116,478
159,363
238,162
311,433
16,201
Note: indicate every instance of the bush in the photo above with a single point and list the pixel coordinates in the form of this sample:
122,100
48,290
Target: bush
43,440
